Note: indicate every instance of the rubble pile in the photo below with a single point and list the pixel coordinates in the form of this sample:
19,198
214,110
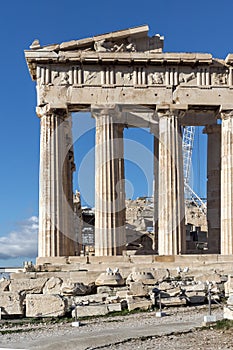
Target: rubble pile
57,296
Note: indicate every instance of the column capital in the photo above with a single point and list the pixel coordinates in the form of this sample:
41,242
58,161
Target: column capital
47,110
177,111
105,109
101,112
227,114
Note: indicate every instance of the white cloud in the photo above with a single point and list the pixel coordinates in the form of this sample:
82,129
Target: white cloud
22,242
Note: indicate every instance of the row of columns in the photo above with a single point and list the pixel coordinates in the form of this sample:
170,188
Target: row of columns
168,191
56,229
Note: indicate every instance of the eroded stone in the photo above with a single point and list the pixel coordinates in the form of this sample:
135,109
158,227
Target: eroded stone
26,285
11,303
45,305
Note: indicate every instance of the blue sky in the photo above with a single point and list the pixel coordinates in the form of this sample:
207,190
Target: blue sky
200,26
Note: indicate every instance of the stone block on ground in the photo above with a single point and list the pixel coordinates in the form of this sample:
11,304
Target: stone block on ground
122,294
110,278
137,289
91,310
45,305
173,301
11,303
114,307
28,286
138,303
228,312
229,286
228,309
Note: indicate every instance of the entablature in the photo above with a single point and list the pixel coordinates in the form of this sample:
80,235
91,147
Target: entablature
128,67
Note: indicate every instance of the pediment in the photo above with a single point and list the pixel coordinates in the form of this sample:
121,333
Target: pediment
129,40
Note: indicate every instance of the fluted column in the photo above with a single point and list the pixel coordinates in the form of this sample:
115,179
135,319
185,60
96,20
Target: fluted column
68,169
54,239
172,238
155,131
213,186
109,184
227,183
77,222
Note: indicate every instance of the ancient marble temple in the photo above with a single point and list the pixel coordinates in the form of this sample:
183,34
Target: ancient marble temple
125,79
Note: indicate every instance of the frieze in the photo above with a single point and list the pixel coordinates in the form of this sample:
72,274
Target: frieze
116,75
61,78
90,77
157,78
186,77
219,78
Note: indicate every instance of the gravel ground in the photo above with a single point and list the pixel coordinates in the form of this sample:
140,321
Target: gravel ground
30,335
198,340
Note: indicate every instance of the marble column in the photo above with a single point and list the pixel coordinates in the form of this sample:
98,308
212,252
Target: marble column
213,186
68,170
54,237
227,183
78,222
109,184
155,131
172,236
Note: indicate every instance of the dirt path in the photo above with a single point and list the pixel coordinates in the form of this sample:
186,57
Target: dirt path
137,331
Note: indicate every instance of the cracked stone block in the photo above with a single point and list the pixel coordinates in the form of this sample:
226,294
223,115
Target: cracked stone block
45,305
11,303
26,285
138,303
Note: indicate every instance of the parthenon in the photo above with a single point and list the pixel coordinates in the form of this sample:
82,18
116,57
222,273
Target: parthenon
125,78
